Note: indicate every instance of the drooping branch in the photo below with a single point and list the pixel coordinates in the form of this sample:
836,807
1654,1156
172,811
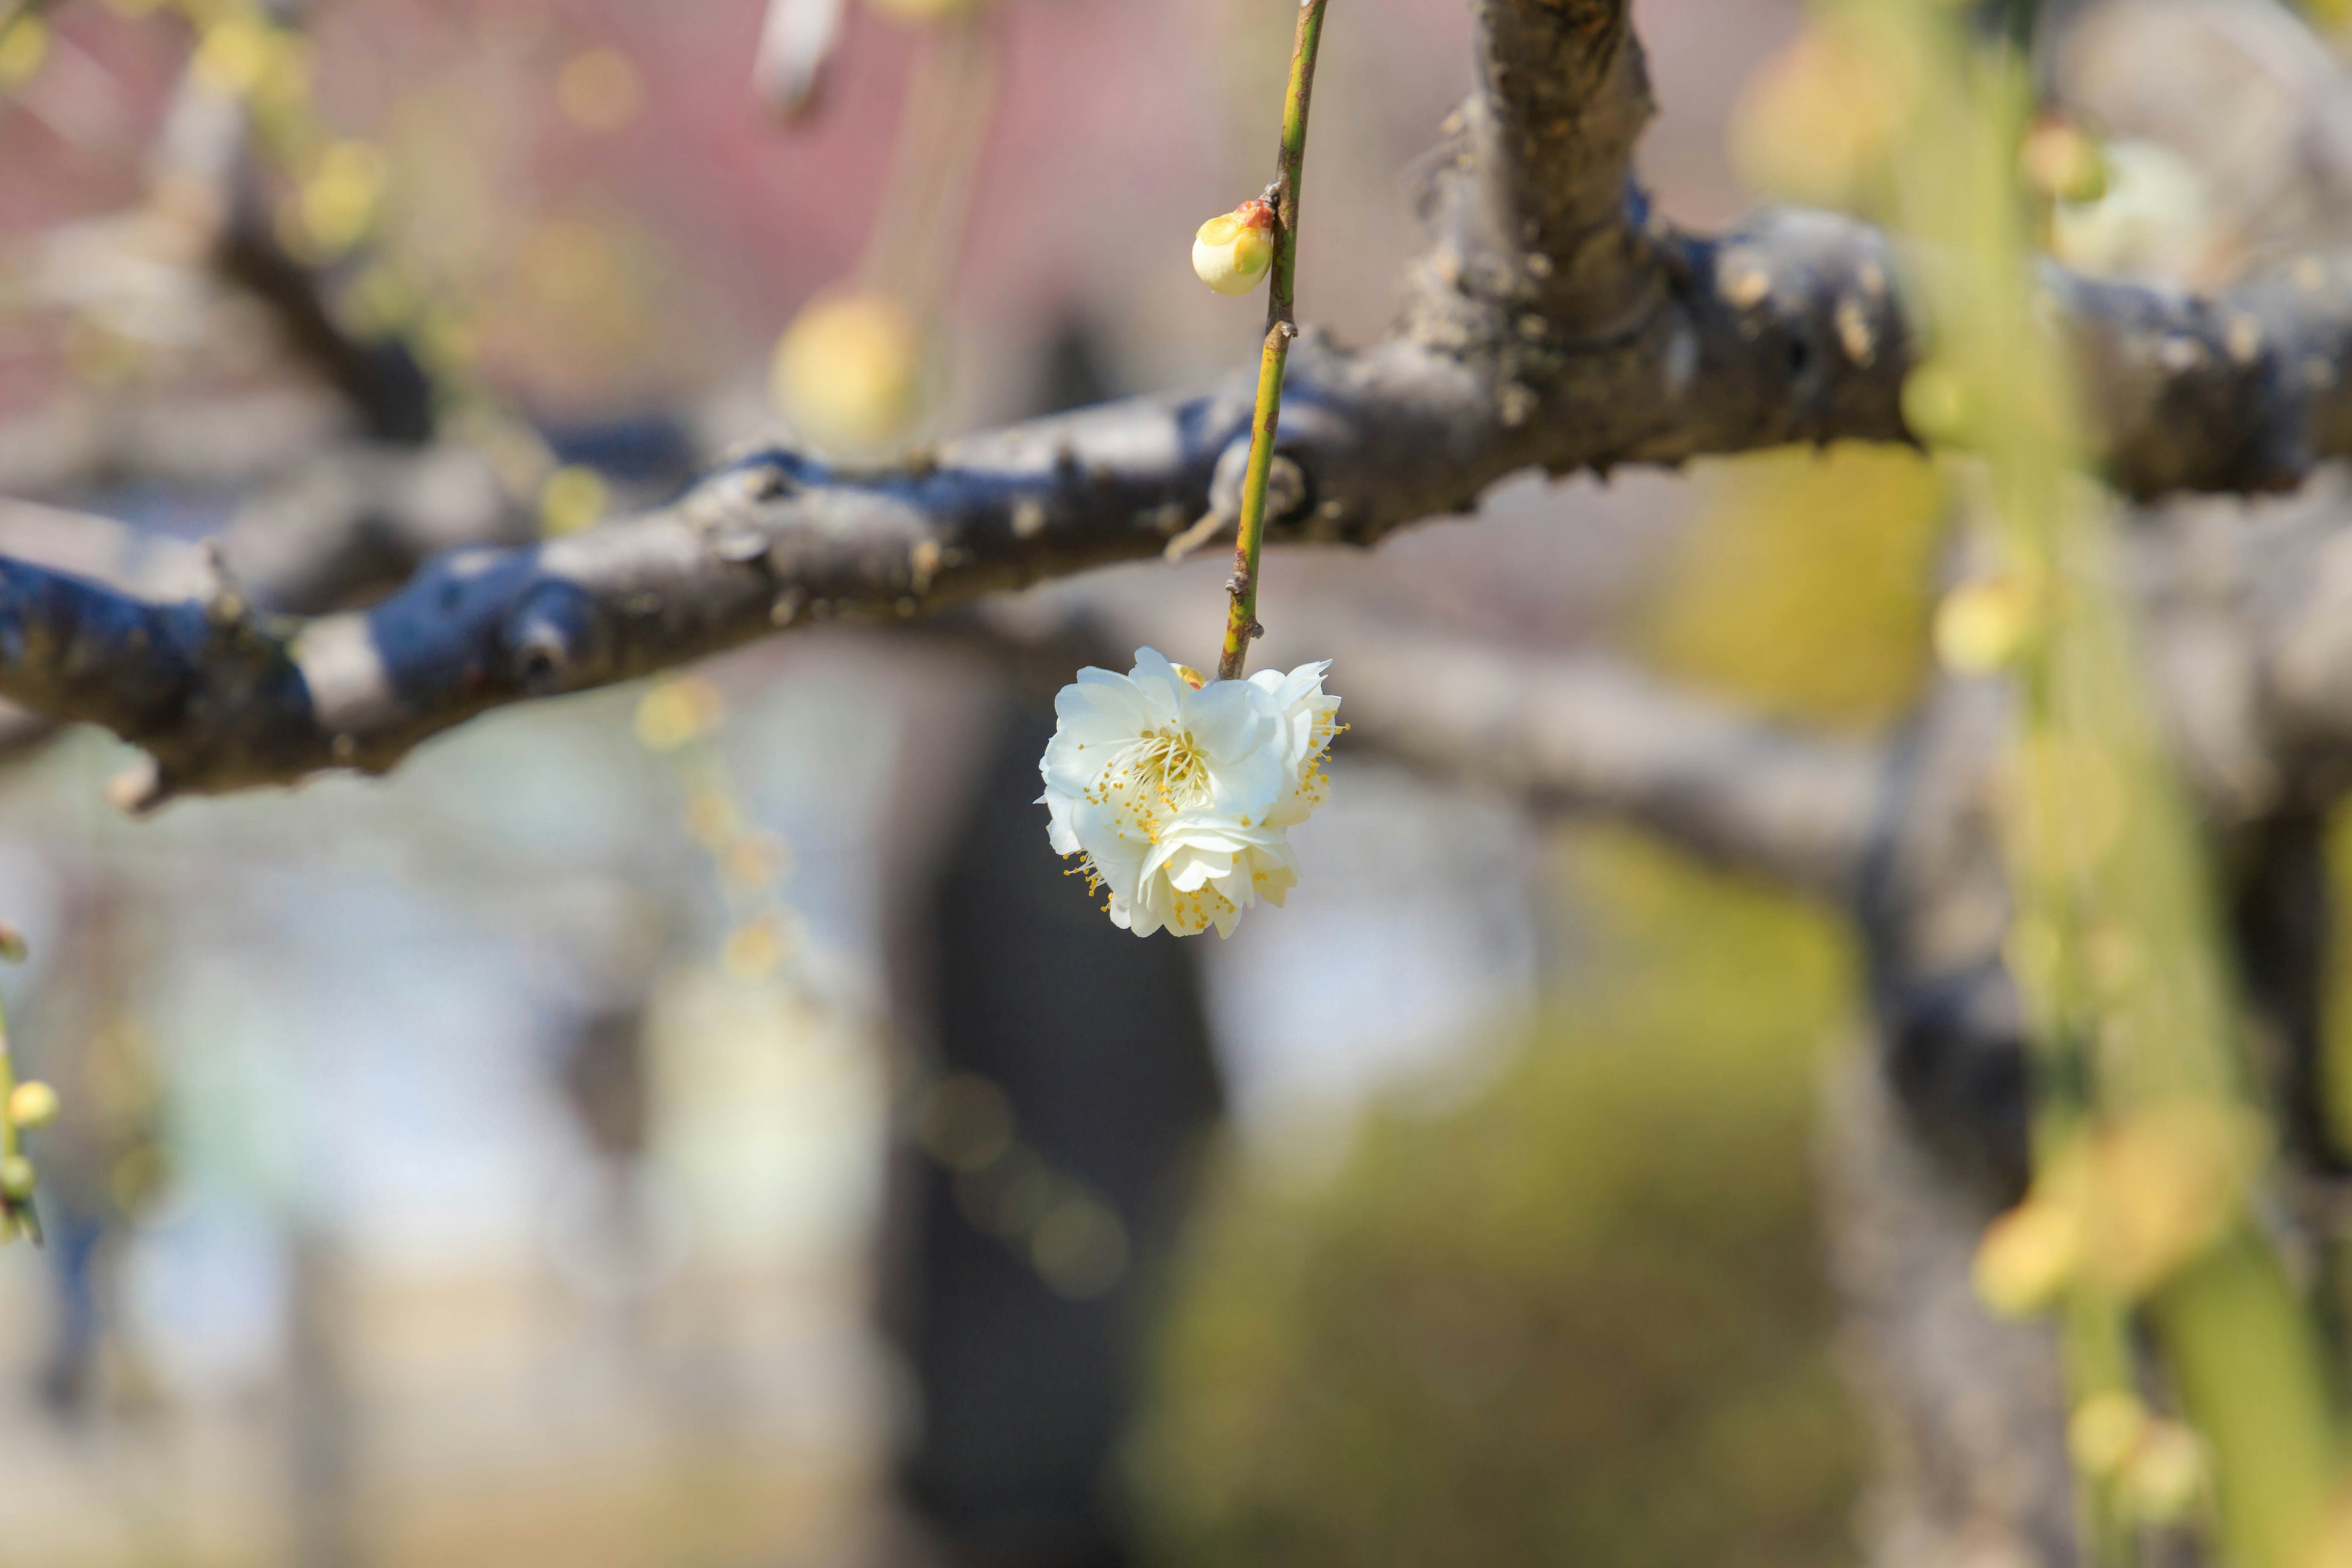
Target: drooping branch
1588,335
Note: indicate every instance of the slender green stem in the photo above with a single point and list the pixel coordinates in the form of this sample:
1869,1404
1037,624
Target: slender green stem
1241,620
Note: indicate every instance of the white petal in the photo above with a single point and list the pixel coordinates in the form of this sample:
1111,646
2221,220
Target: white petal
1226,720
1157,680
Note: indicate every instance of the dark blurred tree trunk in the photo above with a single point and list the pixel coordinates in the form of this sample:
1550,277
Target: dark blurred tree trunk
1098,1041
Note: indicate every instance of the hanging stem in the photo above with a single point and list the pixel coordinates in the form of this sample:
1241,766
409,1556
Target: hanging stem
1241,620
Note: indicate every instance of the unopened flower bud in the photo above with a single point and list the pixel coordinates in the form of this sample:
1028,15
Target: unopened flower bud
1232,250
33,1105
17,1178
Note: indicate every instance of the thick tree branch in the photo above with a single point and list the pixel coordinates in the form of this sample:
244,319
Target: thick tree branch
1657,347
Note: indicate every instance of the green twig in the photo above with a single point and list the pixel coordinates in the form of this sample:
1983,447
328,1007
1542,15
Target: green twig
1241,620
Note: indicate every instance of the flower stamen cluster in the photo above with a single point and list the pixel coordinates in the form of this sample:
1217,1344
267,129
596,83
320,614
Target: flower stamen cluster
1178,794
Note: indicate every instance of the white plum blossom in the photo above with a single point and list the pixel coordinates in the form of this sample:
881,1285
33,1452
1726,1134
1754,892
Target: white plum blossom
1180,793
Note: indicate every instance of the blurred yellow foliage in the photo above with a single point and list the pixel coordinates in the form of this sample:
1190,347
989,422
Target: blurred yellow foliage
2083,805
1816,122
1804,585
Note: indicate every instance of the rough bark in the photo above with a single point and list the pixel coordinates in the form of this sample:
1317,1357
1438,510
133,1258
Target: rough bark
1556,324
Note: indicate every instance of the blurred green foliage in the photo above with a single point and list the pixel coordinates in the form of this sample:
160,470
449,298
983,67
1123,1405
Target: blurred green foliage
1804,585
1582,1317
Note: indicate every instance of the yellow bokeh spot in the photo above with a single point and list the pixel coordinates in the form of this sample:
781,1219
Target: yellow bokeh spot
600,89
847,370
2027,1257
1981,625
573,498
756,861
755,948
677,711
2059,159
23,47
2104,1430
918,11
2166,1476
235,54
1079,1248
33,1104
964,1122
1936,402
285,79
338,201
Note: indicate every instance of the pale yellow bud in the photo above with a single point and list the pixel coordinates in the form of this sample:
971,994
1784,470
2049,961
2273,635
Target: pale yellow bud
1232,250
33,1105
848,370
